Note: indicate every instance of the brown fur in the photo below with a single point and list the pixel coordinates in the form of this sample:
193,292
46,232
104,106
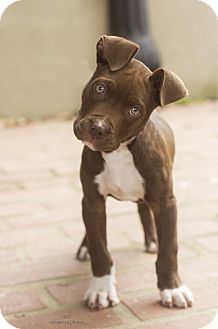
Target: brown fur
128,82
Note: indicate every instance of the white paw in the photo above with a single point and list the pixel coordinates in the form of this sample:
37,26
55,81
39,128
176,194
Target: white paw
83,254
102,292
181,297
152,248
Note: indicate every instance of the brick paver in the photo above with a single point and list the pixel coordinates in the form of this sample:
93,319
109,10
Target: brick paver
20,301
40,228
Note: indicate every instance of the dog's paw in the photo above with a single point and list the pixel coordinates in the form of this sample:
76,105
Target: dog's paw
151,248
181,297
83,254
101,293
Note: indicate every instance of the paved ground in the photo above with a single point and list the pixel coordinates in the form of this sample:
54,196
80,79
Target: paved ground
41,227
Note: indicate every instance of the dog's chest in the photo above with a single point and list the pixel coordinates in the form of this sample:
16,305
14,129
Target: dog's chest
120,178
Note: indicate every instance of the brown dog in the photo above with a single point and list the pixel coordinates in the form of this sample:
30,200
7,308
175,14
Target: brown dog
128,154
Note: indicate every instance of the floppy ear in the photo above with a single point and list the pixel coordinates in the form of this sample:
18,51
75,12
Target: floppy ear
168,87
115,51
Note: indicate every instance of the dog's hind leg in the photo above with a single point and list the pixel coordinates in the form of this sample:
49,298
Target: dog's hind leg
148,223
83,253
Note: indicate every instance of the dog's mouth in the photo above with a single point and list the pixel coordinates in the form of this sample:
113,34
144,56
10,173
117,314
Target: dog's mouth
96,133
103,146
90,145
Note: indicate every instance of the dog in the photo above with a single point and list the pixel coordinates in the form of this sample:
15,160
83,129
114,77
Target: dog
128,155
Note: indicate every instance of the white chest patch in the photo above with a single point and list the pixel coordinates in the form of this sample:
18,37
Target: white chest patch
120,178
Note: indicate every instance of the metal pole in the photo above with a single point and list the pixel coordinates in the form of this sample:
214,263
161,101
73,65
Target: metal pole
129,19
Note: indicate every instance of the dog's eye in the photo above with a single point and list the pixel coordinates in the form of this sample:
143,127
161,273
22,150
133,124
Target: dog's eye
134,111
99,88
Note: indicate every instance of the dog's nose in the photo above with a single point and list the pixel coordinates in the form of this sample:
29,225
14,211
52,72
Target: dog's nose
99,127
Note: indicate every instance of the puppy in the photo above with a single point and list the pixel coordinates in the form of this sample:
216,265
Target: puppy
128,155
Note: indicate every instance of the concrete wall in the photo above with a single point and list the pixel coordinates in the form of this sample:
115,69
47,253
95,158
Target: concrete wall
47,50
186,32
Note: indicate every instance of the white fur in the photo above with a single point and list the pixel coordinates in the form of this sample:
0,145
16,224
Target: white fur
152,248
83,254
181,297
102,291
120,177
90,145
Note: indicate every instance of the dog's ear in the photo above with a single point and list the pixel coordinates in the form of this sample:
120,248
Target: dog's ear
168,87
115,51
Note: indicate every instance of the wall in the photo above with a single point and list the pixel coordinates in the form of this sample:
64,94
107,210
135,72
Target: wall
47,50
186,31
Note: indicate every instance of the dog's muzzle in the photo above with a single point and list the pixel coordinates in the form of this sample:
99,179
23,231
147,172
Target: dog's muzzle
96,132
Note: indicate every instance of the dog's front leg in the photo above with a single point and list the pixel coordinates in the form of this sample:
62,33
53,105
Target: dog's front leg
102,290
172,291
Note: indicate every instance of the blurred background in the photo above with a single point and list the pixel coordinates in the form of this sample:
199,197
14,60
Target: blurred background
47,50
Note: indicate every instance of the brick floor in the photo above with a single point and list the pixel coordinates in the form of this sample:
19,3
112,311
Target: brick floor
77,317
40,228
20,301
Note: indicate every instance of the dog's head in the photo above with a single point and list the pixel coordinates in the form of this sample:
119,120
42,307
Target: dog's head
121,95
